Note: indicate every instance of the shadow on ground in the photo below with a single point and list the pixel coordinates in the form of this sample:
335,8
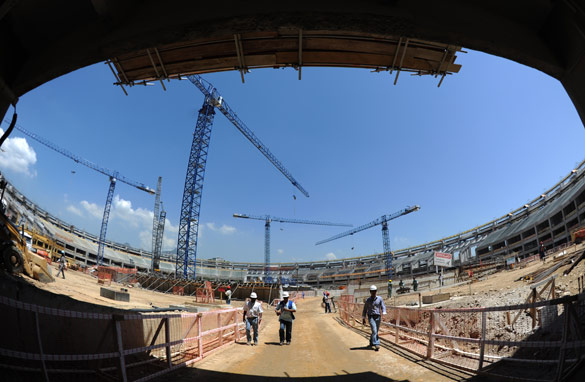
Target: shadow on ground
190,374
446,371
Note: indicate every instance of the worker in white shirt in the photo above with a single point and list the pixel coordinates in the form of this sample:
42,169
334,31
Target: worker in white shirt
374,308
252,317
228,295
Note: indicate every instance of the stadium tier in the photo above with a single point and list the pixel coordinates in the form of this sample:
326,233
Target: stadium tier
550,218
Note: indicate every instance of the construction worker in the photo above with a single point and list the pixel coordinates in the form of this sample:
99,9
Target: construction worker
327,302
285,312
389,288
374,308
62,262
252,317
414,284
228,295
541,251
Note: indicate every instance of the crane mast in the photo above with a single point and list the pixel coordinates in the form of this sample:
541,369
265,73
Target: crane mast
191,202
269,219
155,223
383,220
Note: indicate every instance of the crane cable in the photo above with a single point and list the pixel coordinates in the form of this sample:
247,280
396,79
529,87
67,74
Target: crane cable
10,128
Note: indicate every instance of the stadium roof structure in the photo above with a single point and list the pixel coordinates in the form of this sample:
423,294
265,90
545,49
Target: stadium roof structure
286,48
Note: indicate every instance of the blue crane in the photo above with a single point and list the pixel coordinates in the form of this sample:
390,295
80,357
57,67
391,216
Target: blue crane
268,219
191,202
383,220
113,175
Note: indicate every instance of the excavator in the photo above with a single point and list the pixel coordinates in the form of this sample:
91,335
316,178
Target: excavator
15,256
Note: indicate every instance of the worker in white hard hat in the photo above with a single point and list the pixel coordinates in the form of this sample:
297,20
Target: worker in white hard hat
252,317
374,308
285,312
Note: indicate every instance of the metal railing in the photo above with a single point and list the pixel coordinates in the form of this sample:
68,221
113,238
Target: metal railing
543,341
54,343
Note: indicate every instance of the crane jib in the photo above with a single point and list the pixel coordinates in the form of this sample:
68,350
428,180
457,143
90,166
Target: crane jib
212,93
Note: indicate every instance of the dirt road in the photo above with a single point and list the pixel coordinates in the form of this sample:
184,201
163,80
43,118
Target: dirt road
321,347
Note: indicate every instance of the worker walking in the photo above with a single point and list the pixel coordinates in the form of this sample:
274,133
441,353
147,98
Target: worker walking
327,302
285,312
389,288
541,251
374,308
252,317
62,262
228,295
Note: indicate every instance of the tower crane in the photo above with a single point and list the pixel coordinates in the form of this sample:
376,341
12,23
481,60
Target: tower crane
113,175
156,225
156,251
191,202
383,220
268,219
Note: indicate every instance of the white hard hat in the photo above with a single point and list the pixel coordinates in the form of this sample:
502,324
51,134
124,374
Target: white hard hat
284,294
373,287
253,295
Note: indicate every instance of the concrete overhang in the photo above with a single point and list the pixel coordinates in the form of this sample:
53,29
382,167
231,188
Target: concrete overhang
42,40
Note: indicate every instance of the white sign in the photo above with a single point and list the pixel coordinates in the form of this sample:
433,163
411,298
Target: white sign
443,259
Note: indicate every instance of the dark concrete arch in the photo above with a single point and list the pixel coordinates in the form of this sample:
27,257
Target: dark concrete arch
42,40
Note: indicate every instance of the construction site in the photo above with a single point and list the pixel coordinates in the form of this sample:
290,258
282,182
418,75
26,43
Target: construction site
504,300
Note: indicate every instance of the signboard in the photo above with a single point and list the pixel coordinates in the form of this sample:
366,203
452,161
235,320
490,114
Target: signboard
510,260
443,259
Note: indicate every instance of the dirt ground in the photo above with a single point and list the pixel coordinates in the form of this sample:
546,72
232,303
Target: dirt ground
321,347
498,289
84,287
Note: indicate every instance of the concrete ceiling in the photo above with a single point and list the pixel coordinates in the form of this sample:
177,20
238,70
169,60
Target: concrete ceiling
42,40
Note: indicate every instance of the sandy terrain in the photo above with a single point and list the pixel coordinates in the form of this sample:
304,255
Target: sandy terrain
84,287
320,347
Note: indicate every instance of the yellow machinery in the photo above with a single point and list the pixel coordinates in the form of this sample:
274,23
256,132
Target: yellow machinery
15,255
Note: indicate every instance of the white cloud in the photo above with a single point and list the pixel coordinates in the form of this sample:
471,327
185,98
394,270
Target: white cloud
224,229
137,221
280,251
94,210
139,217
16,155
74,210
330,256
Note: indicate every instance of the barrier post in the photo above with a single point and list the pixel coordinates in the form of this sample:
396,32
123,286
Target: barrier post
220,330
237,328
41,353
199,331
533,309
566,321
118,329
431,342
397,323
482,343
168,341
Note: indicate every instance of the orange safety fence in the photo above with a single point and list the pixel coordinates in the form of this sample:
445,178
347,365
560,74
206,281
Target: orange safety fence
539,341
104,277
122,275
97,346
179,290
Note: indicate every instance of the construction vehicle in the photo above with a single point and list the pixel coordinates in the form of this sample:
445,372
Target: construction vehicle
15,255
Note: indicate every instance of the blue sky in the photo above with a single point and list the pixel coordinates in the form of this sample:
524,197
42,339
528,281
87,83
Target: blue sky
489,139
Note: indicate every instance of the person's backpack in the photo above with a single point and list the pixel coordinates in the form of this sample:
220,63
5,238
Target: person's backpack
289,307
